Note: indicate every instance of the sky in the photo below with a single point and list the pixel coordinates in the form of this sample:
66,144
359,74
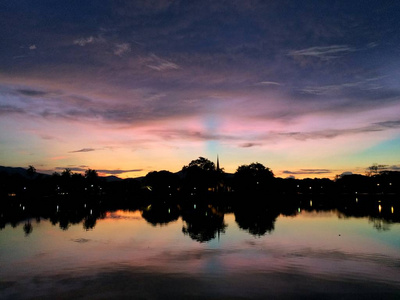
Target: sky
307,88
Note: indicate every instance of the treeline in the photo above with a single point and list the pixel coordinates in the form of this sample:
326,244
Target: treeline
200,177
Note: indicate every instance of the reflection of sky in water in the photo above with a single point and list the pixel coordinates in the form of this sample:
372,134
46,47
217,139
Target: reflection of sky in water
317,246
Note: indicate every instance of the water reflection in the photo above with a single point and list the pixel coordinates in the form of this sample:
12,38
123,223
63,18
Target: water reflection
203,219
258,221
160,213
203,222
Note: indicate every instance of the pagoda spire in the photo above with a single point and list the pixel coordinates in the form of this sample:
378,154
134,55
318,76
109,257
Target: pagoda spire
217,162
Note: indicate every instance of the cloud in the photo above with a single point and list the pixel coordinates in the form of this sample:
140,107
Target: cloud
31,93
333,133
322,53
307,171
249,145
393,168
346,174
121,49
83,150
84,41
32,47
368,85
268,83
389,124
6,109
156,63
73,169
118,172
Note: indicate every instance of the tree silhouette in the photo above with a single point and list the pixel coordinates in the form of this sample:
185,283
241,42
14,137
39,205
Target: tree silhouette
91,175
162,182
66,173
253,178
31,171
200,176
202,163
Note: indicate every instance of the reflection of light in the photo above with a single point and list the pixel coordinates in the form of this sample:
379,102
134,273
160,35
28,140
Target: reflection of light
357,200
380,208
392,209
169,210
299,210
310,202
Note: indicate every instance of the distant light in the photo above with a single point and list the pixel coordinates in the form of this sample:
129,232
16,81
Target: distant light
24,187
23,207
57,207
298,185
392,209
194,206
169,186
390,183
194,188
91,211
377,184
258,182
310,187
84,205
91,185
310,202
299,210
169,210
356,199
380,208
356,193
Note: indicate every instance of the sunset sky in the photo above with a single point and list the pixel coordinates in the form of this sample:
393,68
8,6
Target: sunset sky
307,88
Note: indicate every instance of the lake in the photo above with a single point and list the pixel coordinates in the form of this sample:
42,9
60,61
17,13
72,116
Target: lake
203,251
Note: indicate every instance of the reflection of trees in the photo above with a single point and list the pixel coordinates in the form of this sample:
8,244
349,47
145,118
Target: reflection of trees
203,224
380,224
89,222
28,228
256,220
160,214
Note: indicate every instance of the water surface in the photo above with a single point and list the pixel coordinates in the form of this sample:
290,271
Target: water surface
309,254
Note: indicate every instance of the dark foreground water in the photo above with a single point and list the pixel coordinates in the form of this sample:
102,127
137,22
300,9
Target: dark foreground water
321,255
